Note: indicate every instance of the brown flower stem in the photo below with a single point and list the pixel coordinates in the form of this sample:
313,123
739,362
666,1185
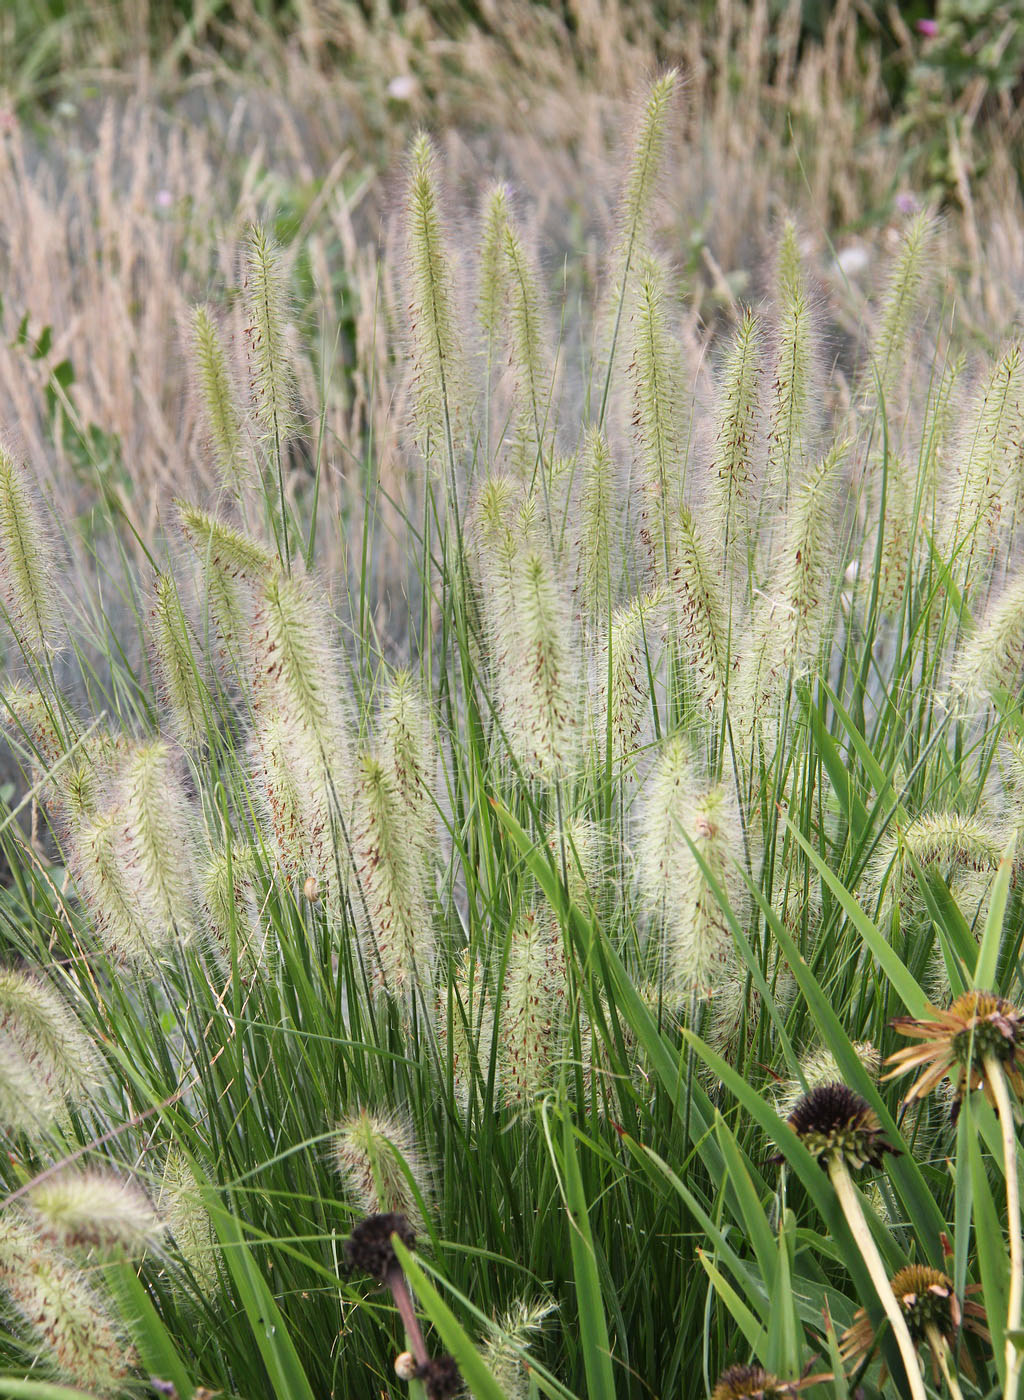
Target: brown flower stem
997,1083
849,1201
940,1350
403,1302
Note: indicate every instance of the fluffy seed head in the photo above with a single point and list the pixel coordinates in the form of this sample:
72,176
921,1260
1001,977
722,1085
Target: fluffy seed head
379,1164
657,415
819,1066
504,1351
218,400
70,1326
230,899
271,373
41,1027
905,286
992,660
32,719
643,169
409,755
492,281
27,1104
736,417
598,527
102,876
94,1210
790,393
26,582
533,1008
529,356
177,665
181,1205
624,666
700,609
159,845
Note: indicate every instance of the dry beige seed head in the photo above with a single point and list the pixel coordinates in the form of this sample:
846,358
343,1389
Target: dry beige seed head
94,1210
380,1165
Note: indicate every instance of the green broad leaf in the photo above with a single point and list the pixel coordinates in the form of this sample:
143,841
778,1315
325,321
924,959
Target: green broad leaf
991,936
287,1377
474,1370
786,1342
745,1320
597,1354
754,1221
903,983
993,1264
156,1348
903,1170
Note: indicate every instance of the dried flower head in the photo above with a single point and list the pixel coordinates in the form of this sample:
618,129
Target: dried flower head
749,1383
834,1121
440,1376
369,1250
929,1303
978,1026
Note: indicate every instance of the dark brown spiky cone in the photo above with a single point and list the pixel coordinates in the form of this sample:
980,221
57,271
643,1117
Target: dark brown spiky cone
834,1121
749,1383
441,1377
369,1249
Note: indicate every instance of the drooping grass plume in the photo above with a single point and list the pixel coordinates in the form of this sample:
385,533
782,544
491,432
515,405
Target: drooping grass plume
792,368
991,662
38,1024
380,1166
938,840
158,843
110,894
531,1019
984,486
31,718
219,404
232,903
529,355
233,564
733,463
625,665
635,209
391,870
181,1206
409,755
702,620
696,943
94,1210
657,415
70,1324
906,284
598,529
492,271
505,1351
26,562
177,662
434,330
27,1103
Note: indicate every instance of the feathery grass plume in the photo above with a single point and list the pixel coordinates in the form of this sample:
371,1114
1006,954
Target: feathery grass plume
492,276
529,355
181,1205
219,405
95,1209
901,527
657,414
233,564
435,334
947,841
624,666
505,1351
159,843
599,528
469,1030
984,486
538,688
818,1065
28,1104
696,941
408,753
377,1158
531,1018
635,205
302,728
229,891
701,612
26,577
40,1025
789,623
99,865
271,374
991,662
33,720
392,904
176,662
733,469
578,846
937,433
71,1327
792,367
905,286
736,1010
